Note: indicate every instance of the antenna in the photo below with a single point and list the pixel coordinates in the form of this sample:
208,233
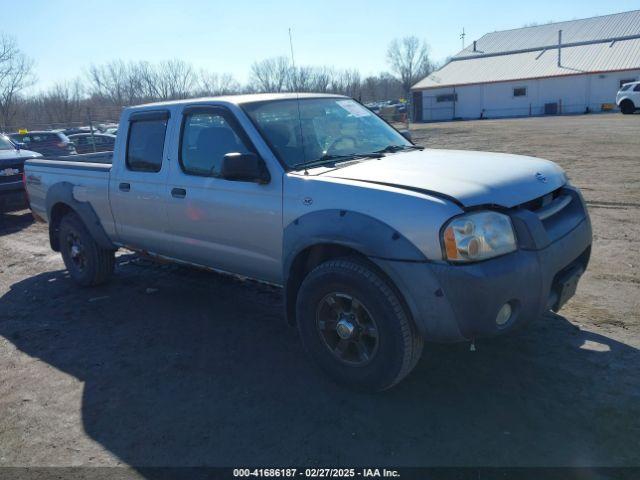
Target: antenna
295,86
462,36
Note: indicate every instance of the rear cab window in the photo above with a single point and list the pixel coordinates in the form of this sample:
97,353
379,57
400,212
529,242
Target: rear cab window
145,142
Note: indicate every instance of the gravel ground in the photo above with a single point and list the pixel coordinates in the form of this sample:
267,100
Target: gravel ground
171,366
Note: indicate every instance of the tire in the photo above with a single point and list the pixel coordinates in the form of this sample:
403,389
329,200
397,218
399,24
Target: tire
350,287
87,263
627,107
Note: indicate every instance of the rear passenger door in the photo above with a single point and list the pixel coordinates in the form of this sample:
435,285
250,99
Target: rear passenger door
234,226
138,182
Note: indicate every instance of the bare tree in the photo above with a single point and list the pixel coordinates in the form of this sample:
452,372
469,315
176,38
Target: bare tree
16,74
174,79
348,82
62,102
118,82
271,75
381,87
110,86
322,79
217,84
409,60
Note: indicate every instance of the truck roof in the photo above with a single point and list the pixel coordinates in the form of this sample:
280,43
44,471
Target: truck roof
239,99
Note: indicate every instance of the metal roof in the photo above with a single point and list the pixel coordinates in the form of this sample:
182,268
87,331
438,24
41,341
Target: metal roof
597,44
607,27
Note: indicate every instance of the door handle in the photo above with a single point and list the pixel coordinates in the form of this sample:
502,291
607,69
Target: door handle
124,187
178,192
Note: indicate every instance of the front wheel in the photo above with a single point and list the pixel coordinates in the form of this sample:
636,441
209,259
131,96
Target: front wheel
353,324
87,263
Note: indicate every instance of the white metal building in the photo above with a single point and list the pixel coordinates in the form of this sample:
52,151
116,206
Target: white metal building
566,67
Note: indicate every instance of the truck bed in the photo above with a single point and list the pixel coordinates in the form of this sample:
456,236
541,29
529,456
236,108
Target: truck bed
88,174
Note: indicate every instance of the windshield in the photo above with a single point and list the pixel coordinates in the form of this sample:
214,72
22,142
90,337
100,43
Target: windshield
326,129
5,143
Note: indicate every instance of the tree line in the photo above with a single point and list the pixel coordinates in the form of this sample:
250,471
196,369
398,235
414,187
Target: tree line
101,93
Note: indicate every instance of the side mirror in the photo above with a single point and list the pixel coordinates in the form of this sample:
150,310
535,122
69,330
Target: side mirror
19,145
406,134
244,167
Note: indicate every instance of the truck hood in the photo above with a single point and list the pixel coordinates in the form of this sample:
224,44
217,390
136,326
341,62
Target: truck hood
469,178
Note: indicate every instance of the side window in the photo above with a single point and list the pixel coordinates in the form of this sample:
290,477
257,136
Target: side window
636,88
146,144
207,136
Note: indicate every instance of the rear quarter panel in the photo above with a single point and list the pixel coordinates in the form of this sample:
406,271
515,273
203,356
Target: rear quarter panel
90,184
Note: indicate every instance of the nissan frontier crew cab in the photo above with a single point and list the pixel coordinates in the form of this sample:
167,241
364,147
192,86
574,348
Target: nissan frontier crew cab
379,244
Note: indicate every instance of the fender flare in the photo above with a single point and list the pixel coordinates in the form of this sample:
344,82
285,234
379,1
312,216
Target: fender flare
62,193
342,228
367,235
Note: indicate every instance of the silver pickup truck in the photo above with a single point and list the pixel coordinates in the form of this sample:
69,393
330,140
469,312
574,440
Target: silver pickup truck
379,244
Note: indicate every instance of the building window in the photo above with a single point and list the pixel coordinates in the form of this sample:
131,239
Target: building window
626,80
449,97
520,92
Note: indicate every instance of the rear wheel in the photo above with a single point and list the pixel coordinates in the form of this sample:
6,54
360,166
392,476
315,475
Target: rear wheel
353,324
627,107
87,263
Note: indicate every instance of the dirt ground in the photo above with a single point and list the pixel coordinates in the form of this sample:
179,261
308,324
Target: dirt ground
171,366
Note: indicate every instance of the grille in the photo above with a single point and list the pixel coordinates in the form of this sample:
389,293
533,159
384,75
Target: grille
8,173
541,202
558,212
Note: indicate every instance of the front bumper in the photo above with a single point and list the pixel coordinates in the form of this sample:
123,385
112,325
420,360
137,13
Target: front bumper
460,302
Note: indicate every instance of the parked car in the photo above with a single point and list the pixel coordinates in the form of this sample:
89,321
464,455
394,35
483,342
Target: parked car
628,97
12,159
98,142
46,142
379,244
107,127
75,130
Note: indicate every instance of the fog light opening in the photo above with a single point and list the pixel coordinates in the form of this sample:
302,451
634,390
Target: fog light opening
504,314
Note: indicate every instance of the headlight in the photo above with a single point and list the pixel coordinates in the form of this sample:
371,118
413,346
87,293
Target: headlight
478,236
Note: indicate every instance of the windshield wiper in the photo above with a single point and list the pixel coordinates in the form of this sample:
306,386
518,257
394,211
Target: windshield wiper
336,158
399,148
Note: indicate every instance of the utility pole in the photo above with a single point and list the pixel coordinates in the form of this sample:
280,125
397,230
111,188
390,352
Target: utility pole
462,36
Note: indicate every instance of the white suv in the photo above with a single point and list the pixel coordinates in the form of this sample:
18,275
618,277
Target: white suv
628,97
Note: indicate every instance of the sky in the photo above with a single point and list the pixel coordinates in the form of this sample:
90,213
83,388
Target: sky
64,37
